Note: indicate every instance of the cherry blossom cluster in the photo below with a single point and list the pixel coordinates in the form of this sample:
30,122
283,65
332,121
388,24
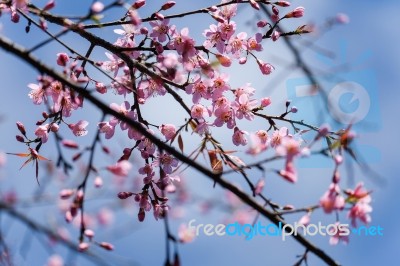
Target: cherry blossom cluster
151,58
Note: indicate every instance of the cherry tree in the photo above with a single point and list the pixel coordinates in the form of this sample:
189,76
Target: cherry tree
109,113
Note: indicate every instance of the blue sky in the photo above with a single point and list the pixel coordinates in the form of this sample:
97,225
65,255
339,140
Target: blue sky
371,30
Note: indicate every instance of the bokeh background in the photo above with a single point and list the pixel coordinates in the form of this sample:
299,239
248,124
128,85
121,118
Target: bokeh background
368,42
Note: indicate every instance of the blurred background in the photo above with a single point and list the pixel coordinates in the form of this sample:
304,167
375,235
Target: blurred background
362,51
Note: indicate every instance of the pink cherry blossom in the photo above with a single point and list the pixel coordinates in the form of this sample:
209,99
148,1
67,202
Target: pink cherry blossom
224,114
62,59
168,130
55,260
244,106
166,161
237,44
79,129
124,109
42,132
183,44
296,13
186,234
265,102
337,235
289,172
239,137
332,200
254,43
265,68
219,85
214,38
227,30
97,7
199,89
37,93
278,135
121,168
198,111
107,128
160,30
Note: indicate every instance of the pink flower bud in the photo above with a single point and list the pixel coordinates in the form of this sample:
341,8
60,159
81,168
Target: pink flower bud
262,23
124,195
265,68
218,18
282,3
159,16
100,87
62,59
98,182
14,17
213,9
254,4
54,127
144,31
89,233
138,4
265,102
275,10
338,159
70,144
97,7
106,246
323,131
68,217
305,219
20,138
259,186
288,207
168,5
342,18
80,195
243,60
336,176
298,12
83,246
275,35
168,130
224,60
141,215
51,4
21,128
66,193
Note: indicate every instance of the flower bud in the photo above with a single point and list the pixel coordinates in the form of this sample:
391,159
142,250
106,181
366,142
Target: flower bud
265,102
54,127
282,3
298,12
159,16
262,23
106,246
66,193
98,182
20,138
138,4
89,233
62,59
97,7
168,5
83,246
141,215
21,128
